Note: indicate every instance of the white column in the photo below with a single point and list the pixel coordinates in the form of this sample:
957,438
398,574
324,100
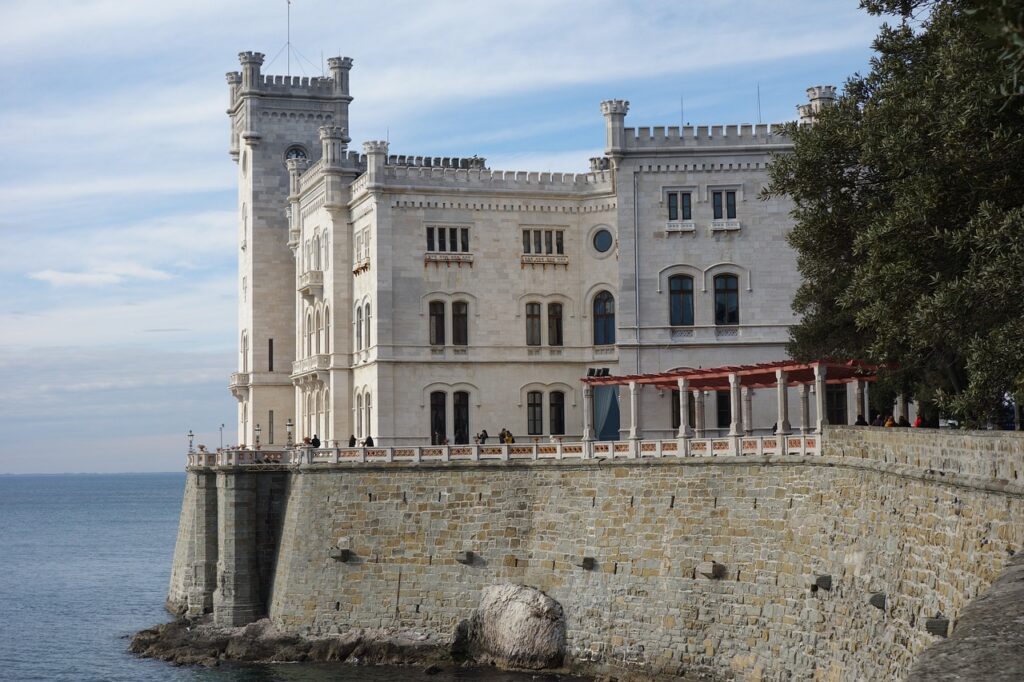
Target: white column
819,397
859,392
902,409
782,397
867,402
588,412
735,422
698,412
634,431
748,411
684,413
805,409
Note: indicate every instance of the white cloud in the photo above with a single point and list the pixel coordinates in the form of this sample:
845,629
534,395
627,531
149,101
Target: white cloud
111,274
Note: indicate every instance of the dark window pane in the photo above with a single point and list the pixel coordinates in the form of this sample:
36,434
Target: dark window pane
602,240
535,413
557,400
460,415
533,324
673,206
554,324
437,323
430,239
460,323
438,419
526,241
727,299
716,203
680,300
536,242
724,408
453,239
730,205
548,243
464,233
686,214
442,242
559,244
604,319
835,404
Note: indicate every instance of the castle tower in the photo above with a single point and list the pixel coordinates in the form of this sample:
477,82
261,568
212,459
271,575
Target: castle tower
819,97
273,119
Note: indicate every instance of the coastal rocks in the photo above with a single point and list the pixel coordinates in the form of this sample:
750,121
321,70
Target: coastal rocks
199,642
514,626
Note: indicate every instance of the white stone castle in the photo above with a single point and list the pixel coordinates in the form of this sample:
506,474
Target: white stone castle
420,299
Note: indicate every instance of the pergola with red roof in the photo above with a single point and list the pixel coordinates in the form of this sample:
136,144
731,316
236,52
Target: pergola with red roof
739,380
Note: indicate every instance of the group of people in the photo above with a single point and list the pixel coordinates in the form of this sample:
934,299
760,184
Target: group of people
890,421
504,437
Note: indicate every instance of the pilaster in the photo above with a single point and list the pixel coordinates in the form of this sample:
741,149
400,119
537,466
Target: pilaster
236,600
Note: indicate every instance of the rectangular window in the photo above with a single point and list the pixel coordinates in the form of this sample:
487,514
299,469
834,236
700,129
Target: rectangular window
536,242
835,404
723,405
442,239
270,355
684,206
460,323
549,245
533,324
453,239
716,204
464,233
270,427
526,241
673,206
559,243
535,413
438,418
557,400
554,324
730,205
430,239
437,323
460,405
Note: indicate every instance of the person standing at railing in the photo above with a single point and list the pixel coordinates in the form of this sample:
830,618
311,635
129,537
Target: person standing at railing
315,441
352,441
368,443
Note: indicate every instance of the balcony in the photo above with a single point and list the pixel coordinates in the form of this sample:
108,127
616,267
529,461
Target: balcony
448,258
680,226
311,283
360,266
311,365
238,384
544,260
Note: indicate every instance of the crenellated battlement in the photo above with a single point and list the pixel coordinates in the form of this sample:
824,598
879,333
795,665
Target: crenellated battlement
468,178
472,162
251,81
703,136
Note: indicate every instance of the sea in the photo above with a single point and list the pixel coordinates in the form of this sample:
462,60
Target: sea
85,562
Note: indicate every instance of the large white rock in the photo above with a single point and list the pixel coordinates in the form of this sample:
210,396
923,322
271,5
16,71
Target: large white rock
515,626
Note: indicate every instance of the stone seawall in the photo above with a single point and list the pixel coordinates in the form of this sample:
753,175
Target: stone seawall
824,567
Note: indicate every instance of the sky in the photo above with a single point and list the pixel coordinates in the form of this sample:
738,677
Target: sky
118,255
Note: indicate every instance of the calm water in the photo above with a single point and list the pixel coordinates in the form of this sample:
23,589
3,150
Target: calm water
85,562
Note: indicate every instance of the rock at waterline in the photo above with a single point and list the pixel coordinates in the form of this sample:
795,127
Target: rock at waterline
515,626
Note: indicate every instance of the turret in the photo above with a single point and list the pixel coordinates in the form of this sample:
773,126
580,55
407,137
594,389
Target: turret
376,156
340,67
819,97
251,63
334,140
614,111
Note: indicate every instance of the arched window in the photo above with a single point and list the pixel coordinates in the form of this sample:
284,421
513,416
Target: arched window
727,299
460,409
460,327
535,413
533,324
359,416
359,327
324,259
554,324
604,319
366,328
369,416
310,331
327,330
680,300
319,330
437,323
316,252
244,348
438,418
327,416
557,403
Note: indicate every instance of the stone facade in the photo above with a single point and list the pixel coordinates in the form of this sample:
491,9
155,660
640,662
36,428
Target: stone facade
382,326
766,568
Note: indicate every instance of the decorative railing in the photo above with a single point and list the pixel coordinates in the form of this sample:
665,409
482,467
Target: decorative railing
311,282
731,446
313,363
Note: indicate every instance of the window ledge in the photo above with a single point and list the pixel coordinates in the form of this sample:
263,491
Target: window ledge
680,226
725,225
731,330
679,333
545,260
448,258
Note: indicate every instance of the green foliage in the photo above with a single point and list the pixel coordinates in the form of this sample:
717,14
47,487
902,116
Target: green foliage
908,195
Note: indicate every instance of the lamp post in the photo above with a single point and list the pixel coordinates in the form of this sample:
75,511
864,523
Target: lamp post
288,426
191,437
258,432
221,436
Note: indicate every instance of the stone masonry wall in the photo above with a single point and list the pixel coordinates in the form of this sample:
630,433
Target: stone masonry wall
181,565
927,518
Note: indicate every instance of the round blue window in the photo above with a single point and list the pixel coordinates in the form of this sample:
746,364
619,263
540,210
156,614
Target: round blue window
603,240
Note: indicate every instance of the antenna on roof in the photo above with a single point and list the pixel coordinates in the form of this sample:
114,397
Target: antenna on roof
759,102
682,111
288,39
